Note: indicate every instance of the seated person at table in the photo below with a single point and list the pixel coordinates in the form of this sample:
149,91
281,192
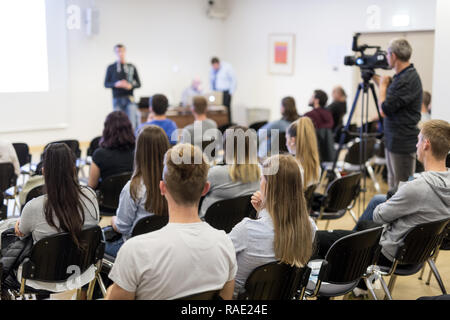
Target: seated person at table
157,116
283,231
185,257
239,176
141,197
66,207
200,130
301,141
192,91
424,199
115,154
288,115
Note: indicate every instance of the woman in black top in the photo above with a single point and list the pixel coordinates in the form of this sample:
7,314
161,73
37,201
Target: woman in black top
116,149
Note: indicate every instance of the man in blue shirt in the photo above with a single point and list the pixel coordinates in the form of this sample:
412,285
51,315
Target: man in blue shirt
222,78
158,107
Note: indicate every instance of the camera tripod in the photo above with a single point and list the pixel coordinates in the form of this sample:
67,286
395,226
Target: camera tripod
364,134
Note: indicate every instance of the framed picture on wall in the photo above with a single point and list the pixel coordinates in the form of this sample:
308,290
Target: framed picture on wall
281,53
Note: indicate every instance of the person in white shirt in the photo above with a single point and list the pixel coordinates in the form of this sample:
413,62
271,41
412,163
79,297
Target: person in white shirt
8,154
189,93
185,257
222,78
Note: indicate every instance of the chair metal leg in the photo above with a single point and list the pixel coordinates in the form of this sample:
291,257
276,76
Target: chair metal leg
327,224
353,215
392,283
436,275
78,294
370,288
434,258
422,272
22,286
385,289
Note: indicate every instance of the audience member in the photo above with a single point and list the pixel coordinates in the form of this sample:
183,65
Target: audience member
116,149
8,154
338,107
400,100
192,91
283,230
200,130
426,106
422,200
301,142
66,207
36,179
185,257
158,108
240,175
288,115
321,117
140,197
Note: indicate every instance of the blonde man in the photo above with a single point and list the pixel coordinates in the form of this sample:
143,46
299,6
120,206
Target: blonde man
185,257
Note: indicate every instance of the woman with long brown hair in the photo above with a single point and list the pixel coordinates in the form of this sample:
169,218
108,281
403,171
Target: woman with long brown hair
283,231
141,196
301,141
240,174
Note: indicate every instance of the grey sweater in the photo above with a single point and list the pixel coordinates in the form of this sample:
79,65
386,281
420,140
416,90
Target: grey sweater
422,200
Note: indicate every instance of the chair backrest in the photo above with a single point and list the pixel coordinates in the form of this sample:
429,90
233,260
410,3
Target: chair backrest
349,257
149,224
325,144
23,153
8,177
93,145
257,125
56,258
34,193
341,192
224,127
225,214
447,161
74,145
208,295
420,242
110,188
353,154
276,281
309,195
206,143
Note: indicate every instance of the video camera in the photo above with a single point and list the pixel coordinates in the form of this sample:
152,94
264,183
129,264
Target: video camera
367,63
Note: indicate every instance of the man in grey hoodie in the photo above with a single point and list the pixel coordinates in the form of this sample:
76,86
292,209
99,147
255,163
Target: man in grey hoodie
424,199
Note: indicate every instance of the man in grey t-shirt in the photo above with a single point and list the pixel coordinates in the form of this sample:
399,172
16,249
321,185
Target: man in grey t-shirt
203,129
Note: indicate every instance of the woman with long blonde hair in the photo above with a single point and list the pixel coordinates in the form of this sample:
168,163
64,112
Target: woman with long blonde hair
141,196
301,141
283,231
240,174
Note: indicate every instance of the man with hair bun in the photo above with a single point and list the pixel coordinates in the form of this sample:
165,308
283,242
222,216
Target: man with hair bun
185,257
400,104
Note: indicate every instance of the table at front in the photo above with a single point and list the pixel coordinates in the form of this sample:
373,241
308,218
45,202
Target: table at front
183,116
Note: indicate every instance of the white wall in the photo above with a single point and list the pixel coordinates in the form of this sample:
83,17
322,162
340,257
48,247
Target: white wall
320,27
158,34
441,80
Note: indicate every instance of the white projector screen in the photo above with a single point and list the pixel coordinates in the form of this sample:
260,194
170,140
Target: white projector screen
24,46
34,65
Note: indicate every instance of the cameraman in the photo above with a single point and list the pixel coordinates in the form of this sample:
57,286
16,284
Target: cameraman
400,105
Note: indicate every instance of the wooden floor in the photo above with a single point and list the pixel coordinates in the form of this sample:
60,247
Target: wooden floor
406,288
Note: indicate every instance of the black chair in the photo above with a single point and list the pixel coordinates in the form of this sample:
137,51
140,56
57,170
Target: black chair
276,281
149,224
93,145
309,196
225,214
108,193
207,144
24,156
53,256
34,193
257,125
223,128
8,181
346,263
74,145
208,295
325,144
339,198
419,246
444,245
